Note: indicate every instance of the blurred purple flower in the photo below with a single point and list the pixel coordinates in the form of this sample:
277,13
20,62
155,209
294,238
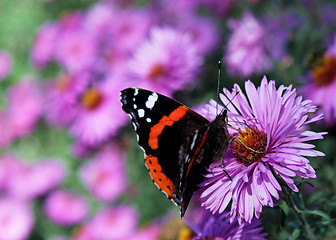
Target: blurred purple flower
5,64
219,227
16,219
116,223
75,50
43,49
150,232
8,165
100,115
62,95
65,208
270,134
204,33
105,176
321,84
245,52
24,108
166,62
31,180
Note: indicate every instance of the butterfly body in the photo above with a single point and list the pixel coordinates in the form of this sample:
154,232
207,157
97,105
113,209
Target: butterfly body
179,144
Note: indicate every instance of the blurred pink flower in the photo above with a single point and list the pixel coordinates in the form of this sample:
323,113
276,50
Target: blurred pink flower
100,115
8,165
62,95
105,176
245,51
16,219
65,208
320,85
31,180
75,50
25,107
150,232
204,33
167,62
5,64
116,223
43,49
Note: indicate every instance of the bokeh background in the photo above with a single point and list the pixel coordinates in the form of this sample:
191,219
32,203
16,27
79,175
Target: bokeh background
70,167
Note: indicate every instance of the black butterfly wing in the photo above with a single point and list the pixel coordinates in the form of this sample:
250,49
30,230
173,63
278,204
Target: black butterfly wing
165,130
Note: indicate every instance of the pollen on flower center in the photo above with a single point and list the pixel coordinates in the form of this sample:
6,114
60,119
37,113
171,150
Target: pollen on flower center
91,99
157,70
249,146
325,72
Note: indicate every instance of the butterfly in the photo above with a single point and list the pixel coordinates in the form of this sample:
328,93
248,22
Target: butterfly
178,143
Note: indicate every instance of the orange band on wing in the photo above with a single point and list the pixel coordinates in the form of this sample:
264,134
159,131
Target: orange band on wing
159,178
157,129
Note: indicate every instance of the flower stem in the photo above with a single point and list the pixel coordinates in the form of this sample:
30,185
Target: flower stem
296,211
293,206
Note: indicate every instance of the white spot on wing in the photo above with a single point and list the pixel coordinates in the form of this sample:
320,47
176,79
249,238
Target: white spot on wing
135,106
141,113
148,120
151,100
136,91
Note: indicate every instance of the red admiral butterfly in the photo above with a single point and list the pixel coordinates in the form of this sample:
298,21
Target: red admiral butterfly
178,142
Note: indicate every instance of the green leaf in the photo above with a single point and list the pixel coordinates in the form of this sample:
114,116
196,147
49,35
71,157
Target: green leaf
317,213
295,234
284,207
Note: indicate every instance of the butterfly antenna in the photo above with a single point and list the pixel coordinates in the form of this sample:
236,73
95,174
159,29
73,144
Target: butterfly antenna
218,82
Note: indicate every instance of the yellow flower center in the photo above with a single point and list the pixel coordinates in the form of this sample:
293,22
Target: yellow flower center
325,71
156,71
91,99
249,146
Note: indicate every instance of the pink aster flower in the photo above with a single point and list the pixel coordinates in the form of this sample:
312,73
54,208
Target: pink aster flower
61,101
43,50
99,115
16,219
116,223
219,227
166,62
65,207
246,52
30,181
105,176
25,107
270,132
5,64
200,29
321,84
75,50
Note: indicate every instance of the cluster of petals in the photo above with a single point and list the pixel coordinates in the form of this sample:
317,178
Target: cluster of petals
320,84
281,117
206,225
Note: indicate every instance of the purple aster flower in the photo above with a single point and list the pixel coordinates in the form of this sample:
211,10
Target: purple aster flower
200,29
166,62
61,106
270,132
110,223
16,219
29,181
99,115
219,227
321,84
105,176
65,207
246,52
43,49
5,64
